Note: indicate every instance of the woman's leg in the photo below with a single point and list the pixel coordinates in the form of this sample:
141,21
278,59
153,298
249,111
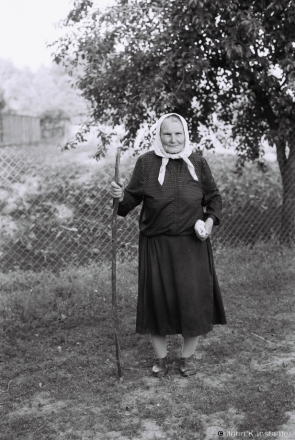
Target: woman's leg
187,365
189,346
159,345
160,367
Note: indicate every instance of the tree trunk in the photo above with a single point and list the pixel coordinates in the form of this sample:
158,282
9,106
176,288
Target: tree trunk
287,168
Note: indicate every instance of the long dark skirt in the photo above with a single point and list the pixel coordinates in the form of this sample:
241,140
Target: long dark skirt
178,290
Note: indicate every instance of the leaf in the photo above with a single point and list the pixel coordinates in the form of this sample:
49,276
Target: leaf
59,234
69,229
32,236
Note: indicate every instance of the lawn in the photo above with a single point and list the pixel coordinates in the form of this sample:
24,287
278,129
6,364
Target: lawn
58,368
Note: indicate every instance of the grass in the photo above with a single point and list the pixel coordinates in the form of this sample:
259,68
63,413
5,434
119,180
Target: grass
58,369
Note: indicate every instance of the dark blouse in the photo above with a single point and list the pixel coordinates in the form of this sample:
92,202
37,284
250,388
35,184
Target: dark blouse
174,207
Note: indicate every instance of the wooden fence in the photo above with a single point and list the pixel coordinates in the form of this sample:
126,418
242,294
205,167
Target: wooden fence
19,130
29,130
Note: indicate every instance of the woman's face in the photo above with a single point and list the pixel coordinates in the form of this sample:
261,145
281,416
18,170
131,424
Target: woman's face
172,136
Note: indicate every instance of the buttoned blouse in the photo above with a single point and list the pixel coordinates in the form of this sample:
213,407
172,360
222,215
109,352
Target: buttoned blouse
173,207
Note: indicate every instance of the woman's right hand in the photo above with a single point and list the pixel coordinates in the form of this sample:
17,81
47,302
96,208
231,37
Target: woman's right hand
117,190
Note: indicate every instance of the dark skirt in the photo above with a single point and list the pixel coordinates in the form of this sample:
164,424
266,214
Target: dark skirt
178,290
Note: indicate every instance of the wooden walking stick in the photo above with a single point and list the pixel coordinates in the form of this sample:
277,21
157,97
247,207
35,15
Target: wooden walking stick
114,268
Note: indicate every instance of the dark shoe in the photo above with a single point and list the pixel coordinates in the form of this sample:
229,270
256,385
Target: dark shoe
187,366
160,367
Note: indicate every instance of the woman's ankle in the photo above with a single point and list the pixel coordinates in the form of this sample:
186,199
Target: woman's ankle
159,346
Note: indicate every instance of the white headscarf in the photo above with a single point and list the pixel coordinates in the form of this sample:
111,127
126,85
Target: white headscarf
183,154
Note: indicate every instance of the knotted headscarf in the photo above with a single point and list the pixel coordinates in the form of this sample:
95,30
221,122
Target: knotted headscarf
183,154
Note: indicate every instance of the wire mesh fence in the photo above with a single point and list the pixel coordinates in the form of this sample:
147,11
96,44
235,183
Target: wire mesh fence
56,209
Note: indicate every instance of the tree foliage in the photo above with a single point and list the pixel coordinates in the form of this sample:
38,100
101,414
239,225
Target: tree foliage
141,59
194,57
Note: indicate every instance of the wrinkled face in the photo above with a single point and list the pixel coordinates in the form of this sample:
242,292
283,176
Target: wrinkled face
172,136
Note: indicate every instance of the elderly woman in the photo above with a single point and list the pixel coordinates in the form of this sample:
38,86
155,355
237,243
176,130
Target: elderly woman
178,291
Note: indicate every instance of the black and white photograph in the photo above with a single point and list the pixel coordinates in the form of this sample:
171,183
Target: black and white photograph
147,219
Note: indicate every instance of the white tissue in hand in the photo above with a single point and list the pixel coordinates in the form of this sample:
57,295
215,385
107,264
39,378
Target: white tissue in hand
200,228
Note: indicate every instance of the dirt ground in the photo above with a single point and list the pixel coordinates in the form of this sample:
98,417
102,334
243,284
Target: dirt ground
65,397
59,376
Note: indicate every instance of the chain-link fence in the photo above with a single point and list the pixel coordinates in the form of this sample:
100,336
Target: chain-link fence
56,208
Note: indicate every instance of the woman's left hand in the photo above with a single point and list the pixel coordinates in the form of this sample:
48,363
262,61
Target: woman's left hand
208,227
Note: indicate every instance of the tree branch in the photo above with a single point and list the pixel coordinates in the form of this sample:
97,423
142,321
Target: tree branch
264,101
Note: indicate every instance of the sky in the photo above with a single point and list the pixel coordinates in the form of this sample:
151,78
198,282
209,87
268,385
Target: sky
26,26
